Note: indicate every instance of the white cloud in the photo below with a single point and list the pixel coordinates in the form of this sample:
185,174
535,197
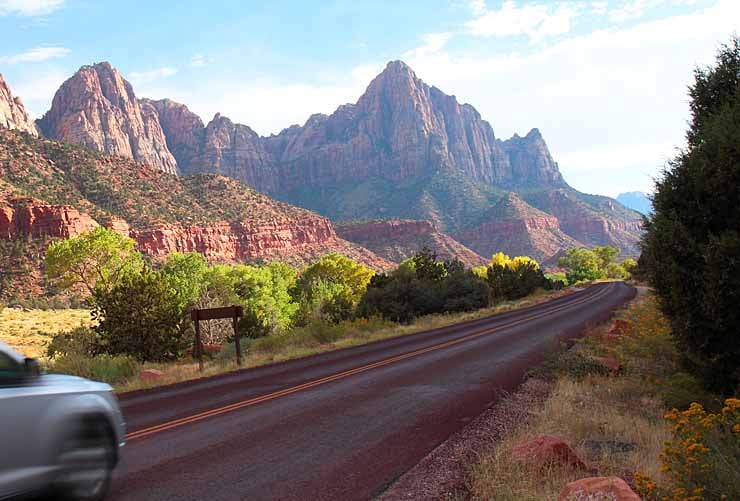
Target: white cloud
37,89
617,89
630,10
35,55
199,60
599,8
534,20
140,77
29,7
433,42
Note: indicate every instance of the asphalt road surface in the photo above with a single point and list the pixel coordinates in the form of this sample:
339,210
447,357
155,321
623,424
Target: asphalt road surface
341,425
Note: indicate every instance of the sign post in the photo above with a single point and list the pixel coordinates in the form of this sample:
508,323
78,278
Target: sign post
234,312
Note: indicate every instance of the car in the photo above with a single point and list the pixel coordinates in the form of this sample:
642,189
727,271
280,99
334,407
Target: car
60,435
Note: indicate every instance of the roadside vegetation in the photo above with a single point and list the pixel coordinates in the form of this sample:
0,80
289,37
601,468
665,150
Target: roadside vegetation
138,311
654,401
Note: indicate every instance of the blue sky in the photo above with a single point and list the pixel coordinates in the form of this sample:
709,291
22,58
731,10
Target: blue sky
605,81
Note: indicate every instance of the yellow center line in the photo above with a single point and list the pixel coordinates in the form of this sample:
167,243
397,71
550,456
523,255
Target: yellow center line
351,372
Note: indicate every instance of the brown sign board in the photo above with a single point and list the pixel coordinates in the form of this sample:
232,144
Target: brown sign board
215,313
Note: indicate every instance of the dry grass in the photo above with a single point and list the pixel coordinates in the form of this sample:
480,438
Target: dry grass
28,330
615,424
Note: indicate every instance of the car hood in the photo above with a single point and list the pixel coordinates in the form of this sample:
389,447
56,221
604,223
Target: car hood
72,383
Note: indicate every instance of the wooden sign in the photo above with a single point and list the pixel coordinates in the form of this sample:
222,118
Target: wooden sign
196,315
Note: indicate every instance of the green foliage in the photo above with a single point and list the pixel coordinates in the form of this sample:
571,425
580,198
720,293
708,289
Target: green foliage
581,264
98,259
140,316
513,278
184,274
692,242
111,369
556,281
78,341
421,286
330,288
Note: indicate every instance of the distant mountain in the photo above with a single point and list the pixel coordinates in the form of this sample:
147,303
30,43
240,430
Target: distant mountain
97,108
517,228
52,190
404,151
399,239
637,200
13,114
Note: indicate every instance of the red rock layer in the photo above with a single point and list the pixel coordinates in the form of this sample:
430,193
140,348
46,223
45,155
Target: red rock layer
29,217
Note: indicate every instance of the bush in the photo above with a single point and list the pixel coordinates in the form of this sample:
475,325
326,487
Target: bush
571,363
691,243
78,341
111,369
703,458
423,286
140,316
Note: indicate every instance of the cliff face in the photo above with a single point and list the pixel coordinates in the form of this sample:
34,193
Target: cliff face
27,217
517,229
13,114
396,240
183,129
592,220
401,129
98,109
216,216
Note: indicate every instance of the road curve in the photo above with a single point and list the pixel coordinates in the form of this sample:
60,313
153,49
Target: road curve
340,425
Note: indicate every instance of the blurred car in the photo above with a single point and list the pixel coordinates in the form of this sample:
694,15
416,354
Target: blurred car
59,435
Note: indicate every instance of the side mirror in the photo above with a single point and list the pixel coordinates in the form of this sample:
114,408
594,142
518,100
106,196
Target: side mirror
32,367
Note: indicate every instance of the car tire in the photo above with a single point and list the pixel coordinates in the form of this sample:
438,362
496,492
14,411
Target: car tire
86,457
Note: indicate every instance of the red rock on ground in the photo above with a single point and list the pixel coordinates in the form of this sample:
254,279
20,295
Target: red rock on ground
610,363
620,328
151,375
546,449
585,488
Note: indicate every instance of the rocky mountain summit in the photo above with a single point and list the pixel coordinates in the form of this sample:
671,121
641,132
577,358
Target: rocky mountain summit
13,114
404,151
98,109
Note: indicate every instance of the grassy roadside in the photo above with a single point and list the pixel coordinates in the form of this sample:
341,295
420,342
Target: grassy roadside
617,423
320,338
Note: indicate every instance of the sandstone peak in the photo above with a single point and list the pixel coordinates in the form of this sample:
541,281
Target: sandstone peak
97,108
13,114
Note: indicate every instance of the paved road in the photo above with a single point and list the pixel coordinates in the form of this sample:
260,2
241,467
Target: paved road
341,425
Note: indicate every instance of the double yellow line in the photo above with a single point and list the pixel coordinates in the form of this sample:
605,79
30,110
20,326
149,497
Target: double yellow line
341,375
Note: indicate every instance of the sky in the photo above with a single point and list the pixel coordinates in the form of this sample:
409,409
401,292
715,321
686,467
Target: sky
604,81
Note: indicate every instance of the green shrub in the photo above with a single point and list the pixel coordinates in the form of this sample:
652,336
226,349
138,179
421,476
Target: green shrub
111,369
560,362
78,341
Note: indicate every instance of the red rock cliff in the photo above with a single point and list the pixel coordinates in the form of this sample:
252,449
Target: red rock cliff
20,217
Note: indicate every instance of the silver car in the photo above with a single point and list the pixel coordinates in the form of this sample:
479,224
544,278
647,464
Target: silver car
59,435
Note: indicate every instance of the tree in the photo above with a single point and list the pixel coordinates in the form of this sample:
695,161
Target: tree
97,259
691,245
334,282
263,291
184,274
581,264
140,316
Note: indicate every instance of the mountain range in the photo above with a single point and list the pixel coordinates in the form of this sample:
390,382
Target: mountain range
638,201
405,163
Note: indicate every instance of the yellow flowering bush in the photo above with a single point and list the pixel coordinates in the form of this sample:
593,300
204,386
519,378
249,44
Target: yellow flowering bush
702,461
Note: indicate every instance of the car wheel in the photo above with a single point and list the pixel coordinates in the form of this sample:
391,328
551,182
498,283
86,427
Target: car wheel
86,460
